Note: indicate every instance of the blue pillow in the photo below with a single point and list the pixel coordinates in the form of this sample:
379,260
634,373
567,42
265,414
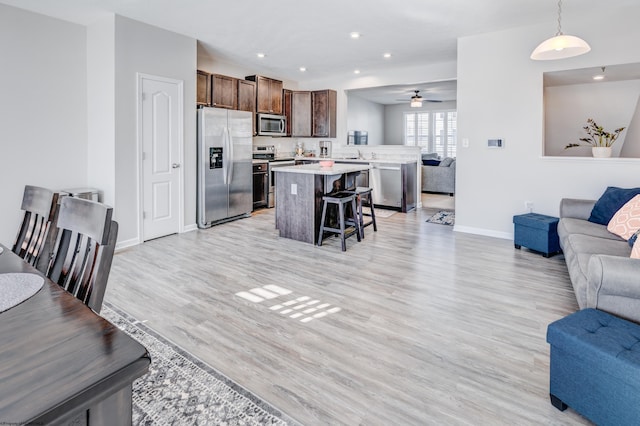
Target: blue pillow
633,238
430,162
610,202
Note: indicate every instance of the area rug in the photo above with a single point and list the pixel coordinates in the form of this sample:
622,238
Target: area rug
179,389
443,217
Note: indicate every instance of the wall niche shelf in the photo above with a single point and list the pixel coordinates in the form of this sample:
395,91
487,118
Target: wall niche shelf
573,96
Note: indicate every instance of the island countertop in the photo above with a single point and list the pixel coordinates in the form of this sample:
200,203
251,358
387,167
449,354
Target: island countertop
315,169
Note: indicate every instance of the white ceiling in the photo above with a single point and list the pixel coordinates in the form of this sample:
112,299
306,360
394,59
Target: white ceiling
315,34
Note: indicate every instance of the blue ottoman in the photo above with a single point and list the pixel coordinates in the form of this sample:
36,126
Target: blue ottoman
595,367
538,232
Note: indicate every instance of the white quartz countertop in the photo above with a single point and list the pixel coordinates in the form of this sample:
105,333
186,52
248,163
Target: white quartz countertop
360,160
315,169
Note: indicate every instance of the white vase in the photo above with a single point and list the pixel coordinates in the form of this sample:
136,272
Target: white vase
601,151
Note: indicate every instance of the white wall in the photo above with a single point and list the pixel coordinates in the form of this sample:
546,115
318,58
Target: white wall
394,119
43,109
366,115
101,109
142,48
506,101
567,108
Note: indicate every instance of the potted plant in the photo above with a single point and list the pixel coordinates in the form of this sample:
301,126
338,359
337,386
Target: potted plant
599,140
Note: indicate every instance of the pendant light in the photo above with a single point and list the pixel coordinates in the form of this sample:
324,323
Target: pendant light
561,45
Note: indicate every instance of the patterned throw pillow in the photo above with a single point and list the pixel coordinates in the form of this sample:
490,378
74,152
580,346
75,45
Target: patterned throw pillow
635,251
626,221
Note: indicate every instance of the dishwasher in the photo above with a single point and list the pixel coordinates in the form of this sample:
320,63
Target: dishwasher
386,182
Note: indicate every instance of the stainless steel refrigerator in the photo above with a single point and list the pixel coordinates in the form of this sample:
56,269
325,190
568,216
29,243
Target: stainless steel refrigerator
225,185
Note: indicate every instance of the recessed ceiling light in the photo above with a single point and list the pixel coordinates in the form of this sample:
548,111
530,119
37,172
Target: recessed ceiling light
355,34
261,55
387,55
302,69
356,71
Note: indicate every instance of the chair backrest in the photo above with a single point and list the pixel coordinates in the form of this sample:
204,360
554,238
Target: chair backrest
39,205
84,249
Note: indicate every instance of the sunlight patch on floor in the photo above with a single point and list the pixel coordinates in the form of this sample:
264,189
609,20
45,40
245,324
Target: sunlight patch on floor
303,308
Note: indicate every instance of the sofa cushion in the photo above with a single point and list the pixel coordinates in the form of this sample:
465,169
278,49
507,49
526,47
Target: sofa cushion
626,221
569,225
610,202
588,245
446,162
430,162
635,251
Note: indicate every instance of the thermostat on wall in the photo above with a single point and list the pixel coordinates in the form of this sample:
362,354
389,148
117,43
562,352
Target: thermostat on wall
495,143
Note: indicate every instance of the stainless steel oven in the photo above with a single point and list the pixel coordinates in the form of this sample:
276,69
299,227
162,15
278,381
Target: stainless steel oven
260,185
274,164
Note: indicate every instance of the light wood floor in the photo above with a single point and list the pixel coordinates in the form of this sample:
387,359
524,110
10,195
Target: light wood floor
435,327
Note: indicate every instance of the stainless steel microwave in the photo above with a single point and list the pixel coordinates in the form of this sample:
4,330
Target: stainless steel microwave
271,125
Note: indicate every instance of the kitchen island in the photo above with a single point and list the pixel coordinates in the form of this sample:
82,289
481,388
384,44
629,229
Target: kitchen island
299,192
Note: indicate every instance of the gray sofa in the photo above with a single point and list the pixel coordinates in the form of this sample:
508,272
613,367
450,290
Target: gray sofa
440,178
602,273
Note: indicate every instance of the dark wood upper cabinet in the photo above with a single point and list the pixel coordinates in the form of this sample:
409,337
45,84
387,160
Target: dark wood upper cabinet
246,95
203,88
301,115
286,109
224,91
324,113
247,99
268,94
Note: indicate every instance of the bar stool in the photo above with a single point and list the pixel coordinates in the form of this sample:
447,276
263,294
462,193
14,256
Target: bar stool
341,200
364,192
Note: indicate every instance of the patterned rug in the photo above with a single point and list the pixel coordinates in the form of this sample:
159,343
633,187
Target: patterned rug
443,217
182,390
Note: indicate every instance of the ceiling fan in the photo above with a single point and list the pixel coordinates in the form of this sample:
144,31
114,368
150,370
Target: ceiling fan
416,100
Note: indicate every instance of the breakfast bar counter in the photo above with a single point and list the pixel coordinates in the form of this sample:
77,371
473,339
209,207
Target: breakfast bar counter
299,192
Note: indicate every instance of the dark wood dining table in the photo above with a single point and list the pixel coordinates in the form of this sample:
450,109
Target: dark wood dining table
62,363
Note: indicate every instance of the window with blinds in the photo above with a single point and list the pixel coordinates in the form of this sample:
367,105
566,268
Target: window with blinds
434,131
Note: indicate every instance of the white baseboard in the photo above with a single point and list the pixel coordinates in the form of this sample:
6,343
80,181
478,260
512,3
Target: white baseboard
120,245
191,227
482,231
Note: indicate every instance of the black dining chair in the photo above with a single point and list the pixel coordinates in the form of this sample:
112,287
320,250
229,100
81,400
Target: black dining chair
84,249
40,207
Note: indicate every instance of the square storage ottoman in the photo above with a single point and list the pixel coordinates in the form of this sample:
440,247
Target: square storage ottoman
538,232
595,367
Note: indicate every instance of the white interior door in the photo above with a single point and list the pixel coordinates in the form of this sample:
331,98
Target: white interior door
161,135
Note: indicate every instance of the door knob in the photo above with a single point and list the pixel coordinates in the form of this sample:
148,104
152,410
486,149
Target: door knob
175,165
